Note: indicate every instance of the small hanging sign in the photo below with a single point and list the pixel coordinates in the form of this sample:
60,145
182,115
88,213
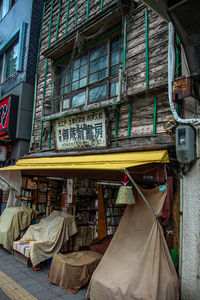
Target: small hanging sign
70,190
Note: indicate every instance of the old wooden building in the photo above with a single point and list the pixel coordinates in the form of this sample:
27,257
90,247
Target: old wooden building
101,120
101,88
103,54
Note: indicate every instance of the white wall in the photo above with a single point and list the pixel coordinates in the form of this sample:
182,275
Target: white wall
190,284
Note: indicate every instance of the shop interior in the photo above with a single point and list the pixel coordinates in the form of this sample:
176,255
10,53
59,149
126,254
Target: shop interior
92,199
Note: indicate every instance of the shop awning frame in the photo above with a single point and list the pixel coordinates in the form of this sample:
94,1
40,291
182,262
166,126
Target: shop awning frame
112,162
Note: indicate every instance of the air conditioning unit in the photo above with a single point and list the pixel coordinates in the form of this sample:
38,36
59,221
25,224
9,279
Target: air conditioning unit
3,150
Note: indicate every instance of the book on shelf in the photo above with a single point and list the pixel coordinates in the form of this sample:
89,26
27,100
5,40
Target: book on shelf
41,208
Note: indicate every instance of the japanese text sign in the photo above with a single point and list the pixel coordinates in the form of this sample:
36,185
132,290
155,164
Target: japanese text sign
4,115
86,130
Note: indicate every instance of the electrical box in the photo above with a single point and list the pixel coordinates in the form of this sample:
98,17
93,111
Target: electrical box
185,144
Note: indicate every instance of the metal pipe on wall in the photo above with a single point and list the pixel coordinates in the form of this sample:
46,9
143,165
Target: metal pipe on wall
171,74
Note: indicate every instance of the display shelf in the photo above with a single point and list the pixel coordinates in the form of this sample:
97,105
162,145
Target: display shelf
86,201
45,198
83,210
86,196
26,198
113,212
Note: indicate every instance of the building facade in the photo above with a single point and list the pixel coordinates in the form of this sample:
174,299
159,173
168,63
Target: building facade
100,97
19,34
73,75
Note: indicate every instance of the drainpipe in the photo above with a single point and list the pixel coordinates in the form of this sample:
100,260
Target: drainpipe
171,73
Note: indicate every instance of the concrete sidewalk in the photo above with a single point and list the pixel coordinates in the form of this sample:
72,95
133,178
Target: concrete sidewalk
36,283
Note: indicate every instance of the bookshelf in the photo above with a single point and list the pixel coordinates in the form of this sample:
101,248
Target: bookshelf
113,212
41,194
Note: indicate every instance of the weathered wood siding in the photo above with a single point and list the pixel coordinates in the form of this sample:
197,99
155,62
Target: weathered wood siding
142,100
136,51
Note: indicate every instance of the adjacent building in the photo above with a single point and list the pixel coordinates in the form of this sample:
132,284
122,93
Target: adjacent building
20,23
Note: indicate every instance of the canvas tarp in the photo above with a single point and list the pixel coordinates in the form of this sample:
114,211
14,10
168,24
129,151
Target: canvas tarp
73,270
137,264
12,221
10,179
47,237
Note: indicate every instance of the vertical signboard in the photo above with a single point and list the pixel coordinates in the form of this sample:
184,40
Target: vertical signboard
8,116
4,115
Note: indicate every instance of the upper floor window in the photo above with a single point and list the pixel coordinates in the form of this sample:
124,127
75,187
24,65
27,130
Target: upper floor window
5,6
11,60
8,62
93,76
11,54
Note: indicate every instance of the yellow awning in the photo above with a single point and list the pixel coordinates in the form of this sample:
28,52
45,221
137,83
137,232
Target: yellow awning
114,161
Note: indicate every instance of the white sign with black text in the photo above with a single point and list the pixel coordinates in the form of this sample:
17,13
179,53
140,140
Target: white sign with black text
86,130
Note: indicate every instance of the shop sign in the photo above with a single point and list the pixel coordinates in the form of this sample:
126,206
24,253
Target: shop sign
8,116
70,189
4,115
86,130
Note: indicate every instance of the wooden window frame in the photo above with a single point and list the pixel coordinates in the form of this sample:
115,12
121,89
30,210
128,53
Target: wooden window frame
107,80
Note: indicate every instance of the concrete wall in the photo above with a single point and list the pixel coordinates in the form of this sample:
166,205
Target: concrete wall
191,235
20,12
190,283
25,92
29,12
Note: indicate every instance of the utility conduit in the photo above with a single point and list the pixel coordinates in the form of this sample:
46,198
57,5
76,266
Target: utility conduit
171,74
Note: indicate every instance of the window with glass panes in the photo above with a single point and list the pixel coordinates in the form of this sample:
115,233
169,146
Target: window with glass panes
11,60
92,77
5,6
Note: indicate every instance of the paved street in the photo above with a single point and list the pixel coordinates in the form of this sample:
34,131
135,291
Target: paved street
3,296
36,283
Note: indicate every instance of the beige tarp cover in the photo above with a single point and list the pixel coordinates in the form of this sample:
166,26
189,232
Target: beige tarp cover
48,236
137,264
73,270
10,179
12,221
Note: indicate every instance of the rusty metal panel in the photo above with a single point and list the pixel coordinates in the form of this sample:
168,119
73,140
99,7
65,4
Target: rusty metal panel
181,88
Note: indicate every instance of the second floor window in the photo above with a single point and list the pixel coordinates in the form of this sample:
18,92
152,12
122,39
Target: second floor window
93,76
8,62
11,60
5,6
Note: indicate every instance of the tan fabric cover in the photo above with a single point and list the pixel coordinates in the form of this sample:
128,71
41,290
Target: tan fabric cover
73,270
12,221
137,264
48,236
